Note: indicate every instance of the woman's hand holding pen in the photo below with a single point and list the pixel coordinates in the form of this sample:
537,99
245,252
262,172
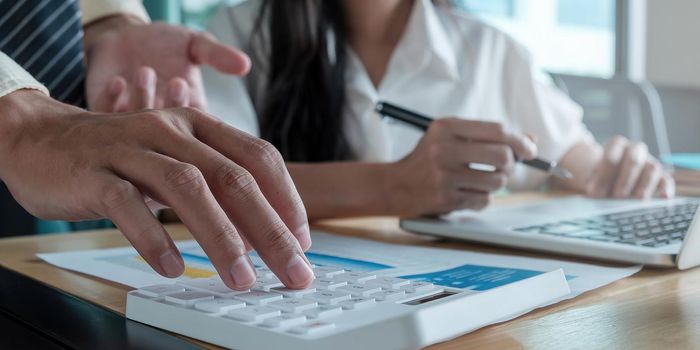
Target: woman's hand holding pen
436,177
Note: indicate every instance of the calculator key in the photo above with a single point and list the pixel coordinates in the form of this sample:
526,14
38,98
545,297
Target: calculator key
418,287
355,277
253,313
313,328
266,285
389,295
219,305
360,290
259,297
324,311
357,303
328,283
188,298
388,282
327,271
211,285
264,272
293,305
160,290
293,293
285,320
329,297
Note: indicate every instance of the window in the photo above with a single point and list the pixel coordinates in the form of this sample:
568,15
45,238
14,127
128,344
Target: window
567,36
196,13
504,8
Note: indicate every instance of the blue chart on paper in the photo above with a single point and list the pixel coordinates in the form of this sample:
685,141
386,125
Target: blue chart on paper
475,277
346,263
314,258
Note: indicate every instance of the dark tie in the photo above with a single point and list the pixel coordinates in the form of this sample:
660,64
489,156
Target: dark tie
45,38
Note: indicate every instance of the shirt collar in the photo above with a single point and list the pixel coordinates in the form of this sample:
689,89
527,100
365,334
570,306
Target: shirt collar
425,30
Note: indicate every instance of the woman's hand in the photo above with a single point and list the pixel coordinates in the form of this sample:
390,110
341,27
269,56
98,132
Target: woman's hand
437,178
621,169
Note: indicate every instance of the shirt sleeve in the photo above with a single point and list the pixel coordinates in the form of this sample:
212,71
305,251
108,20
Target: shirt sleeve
542,111
13,77
96,9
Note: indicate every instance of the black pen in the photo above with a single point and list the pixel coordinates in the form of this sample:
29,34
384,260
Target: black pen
422,122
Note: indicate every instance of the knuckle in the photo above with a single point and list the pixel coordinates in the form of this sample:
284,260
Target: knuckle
498,131
277,237
156,118
116,195
236,182
266,152
618,139
186,178
503,157
223,235
440,126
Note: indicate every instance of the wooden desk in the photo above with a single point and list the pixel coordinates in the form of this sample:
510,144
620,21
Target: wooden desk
655,309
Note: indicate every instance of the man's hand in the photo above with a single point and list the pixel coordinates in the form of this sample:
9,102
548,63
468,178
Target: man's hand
132,65
229,188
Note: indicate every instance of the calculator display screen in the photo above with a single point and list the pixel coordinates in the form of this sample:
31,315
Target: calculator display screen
430,298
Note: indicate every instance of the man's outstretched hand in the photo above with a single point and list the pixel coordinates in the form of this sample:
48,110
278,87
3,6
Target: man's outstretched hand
133,65
229,188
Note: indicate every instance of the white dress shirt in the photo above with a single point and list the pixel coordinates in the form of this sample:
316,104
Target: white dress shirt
447,64
13,77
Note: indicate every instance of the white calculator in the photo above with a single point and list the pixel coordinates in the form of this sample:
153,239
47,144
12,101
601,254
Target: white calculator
341,310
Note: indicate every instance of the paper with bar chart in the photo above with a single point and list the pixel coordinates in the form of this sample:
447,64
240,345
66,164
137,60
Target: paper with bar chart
446,267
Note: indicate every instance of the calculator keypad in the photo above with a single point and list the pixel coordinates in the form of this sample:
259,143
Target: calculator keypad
271,305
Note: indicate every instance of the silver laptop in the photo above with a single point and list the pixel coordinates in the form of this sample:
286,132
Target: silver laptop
655,232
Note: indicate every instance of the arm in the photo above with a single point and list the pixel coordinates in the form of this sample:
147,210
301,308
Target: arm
434,179
336,190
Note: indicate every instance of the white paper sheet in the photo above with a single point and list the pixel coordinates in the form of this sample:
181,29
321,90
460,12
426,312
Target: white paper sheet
453,268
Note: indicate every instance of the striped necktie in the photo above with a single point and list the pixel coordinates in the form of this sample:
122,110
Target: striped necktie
45,38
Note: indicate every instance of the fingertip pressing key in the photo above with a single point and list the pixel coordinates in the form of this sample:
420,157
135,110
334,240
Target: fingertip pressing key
243,273
299,272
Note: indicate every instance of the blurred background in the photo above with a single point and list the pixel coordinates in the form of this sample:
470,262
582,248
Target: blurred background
632,64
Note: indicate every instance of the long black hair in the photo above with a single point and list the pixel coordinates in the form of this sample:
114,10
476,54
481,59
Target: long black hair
301,110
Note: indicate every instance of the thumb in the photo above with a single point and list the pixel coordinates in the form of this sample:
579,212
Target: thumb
205,49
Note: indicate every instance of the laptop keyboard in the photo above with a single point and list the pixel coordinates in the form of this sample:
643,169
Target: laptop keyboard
649,227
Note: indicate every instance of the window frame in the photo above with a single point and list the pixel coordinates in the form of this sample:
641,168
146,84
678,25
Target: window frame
630,39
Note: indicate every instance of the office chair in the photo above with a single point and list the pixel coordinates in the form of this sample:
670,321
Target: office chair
682,111
619,106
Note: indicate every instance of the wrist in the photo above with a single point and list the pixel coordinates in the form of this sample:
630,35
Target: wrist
390,178
22,108
97,31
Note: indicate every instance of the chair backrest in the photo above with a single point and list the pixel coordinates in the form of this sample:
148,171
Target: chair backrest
619,106
682,111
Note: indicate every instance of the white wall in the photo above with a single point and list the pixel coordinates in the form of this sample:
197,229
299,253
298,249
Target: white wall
673,42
